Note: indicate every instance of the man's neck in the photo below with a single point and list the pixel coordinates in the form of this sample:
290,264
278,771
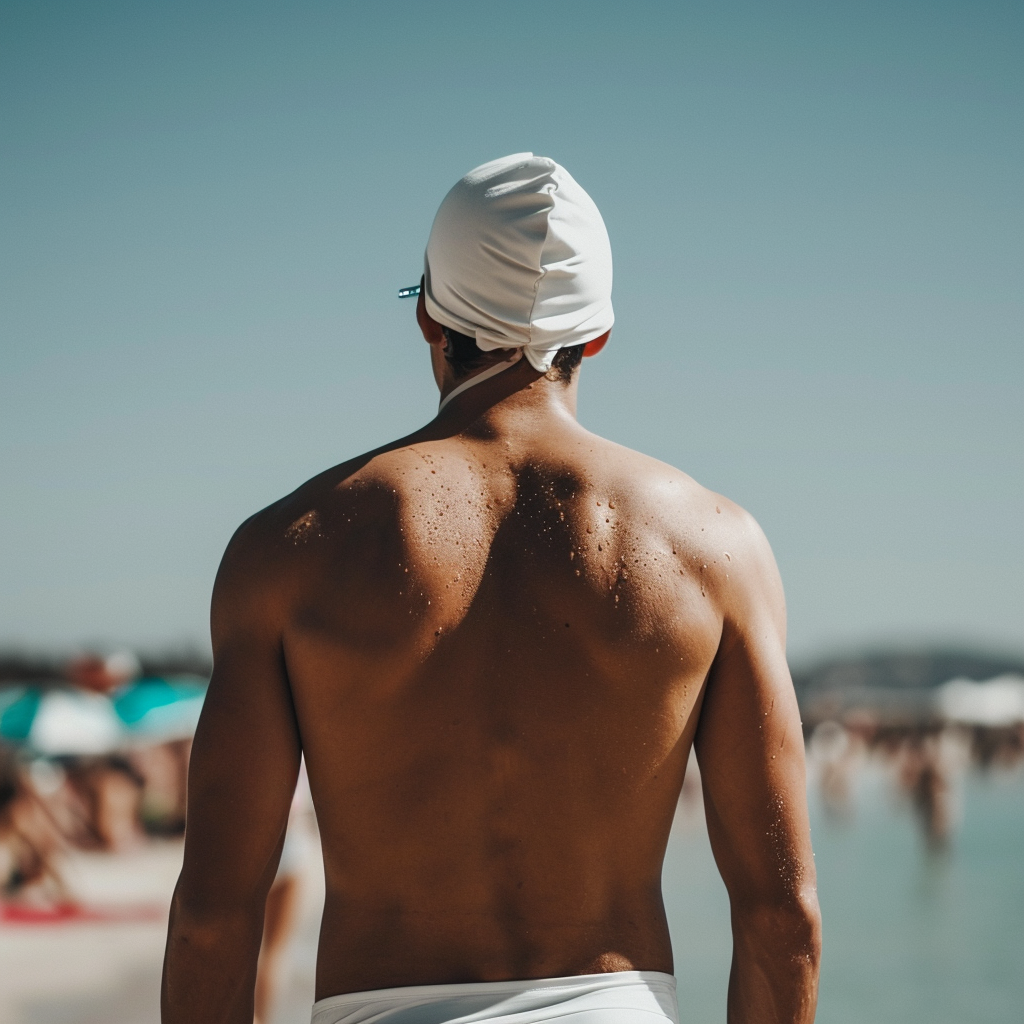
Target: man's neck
519,400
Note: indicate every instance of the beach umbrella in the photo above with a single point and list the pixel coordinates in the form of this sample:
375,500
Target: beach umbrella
69,722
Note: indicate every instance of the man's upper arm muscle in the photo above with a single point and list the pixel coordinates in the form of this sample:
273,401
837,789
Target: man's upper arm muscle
749,739
245,759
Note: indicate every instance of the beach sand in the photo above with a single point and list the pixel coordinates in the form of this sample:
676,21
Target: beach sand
109,972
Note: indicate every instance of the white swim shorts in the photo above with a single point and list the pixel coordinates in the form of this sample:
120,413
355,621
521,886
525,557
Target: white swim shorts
624,997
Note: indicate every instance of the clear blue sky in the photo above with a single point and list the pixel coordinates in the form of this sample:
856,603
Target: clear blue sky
817,216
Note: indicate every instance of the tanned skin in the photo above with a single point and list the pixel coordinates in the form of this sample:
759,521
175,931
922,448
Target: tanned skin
496,641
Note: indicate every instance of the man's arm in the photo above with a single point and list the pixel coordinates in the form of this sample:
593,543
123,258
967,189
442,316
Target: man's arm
245,762
750,749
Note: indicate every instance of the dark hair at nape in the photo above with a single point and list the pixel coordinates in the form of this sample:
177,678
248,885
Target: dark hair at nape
464,356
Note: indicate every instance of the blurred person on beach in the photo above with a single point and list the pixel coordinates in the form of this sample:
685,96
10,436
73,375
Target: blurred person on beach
281,915
113,742
133,783
108,787
495,642
31,841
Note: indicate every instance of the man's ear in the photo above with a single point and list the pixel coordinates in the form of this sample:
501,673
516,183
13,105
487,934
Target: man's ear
593,347
433,332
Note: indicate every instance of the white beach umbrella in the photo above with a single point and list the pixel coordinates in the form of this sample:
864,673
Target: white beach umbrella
70,722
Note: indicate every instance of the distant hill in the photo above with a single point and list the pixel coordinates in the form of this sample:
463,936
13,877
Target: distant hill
903,669
896,685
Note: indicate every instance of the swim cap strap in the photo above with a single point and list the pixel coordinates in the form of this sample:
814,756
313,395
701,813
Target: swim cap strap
491,371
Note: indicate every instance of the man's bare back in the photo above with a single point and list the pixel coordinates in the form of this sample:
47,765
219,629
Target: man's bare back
495,642
495,650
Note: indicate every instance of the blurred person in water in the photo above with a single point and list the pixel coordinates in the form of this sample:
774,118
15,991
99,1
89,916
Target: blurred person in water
496,641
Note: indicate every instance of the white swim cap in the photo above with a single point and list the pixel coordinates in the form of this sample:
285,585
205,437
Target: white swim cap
519,257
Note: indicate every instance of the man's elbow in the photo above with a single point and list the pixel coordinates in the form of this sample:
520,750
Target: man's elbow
786,928
205,923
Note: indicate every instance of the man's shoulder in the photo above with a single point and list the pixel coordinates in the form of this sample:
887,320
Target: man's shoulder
667,491
346,500
701,525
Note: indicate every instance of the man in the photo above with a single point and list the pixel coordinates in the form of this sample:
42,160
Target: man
496,641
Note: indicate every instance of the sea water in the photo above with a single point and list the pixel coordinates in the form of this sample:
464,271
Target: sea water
911,935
